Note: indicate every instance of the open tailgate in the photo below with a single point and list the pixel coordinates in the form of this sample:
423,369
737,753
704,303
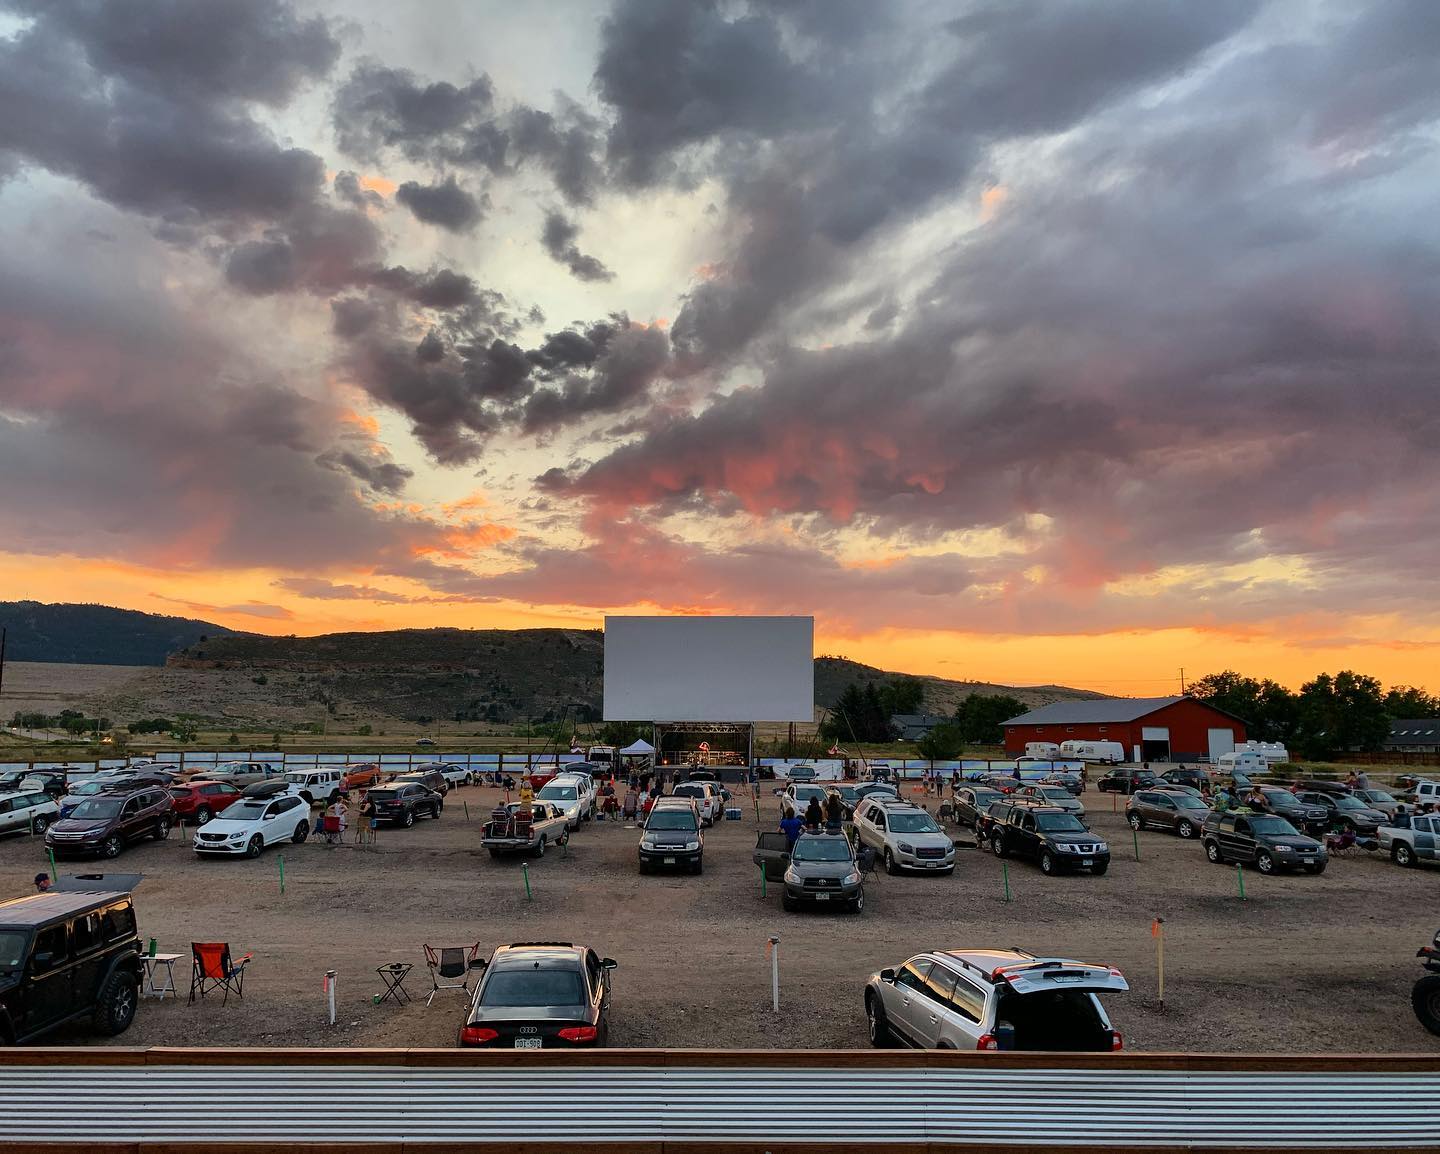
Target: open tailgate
1033,977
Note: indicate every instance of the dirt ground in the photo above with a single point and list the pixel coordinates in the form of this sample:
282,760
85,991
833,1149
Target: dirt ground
1306,964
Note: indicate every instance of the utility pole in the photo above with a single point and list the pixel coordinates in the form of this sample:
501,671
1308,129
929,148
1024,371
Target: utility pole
3,633
1182,681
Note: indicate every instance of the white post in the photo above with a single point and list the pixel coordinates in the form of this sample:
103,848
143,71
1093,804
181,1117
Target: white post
330,993
775,973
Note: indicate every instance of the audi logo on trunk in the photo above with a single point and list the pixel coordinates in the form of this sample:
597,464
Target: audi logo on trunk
529,1029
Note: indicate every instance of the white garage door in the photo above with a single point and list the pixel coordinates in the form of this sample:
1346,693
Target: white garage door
1221,741
1155,733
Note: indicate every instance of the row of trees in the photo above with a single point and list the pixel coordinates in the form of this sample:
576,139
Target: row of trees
1329,715
863,712
70,720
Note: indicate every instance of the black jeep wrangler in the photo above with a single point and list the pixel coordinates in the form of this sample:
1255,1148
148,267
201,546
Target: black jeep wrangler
64,956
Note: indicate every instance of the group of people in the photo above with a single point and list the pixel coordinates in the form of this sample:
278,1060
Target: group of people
831,815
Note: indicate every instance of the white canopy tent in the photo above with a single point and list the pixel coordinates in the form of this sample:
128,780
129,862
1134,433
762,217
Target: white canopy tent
641,748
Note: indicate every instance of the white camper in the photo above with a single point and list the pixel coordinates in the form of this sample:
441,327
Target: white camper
1105,752
1271,752
1242,761
1044,750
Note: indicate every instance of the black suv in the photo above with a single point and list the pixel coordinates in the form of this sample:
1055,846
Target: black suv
538,995
1186,775
1345,812
1311,818
1271,842
672,836
1125,780
431,779
971,803
402,802
66,955
1054,837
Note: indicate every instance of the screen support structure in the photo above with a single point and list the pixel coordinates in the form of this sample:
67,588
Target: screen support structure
705,730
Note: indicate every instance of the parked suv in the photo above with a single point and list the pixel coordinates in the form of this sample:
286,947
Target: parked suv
66,955
904,835
199,800
706,795
972,802
823,871
106,823
32,811
1126,780
1182,813
1057,840
402,802
1271,842
242,773
431,779
1311,818
672,836
537,995
314,785
1186,775
1345,812
992,1000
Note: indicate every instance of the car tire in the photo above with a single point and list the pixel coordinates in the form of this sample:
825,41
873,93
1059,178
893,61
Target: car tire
408,821
858,905
115,1005
1212,851
40,824
1137,823
1047,863
1425,999
788,903
112,845
540,849
1317,868
162,829
254,846
698,867
438,810
495,853
302,831
997,845
1402,855
202,815
1099,870
1186,829
890,866
644,867
879,1026
1264,863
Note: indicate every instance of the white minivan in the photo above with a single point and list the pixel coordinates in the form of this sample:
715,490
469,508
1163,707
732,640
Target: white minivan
1105,752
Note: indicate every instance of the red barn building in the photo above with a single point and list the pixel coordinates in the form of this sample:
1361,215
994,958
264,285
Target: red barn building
1150,728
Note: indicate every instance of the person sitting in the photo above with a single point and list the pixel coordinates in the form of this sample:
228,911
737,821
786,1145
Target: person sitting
814,815
632,804
1401,820
648,805
834,812
610,807
1255,799
791,825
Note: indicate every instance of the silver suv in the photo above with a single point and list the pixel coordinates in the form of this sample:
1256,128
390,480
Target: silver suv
904,835
992,1000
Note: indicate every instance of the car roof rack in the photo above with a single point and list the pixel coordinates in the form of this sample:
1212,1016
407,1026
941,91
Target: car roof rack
530,945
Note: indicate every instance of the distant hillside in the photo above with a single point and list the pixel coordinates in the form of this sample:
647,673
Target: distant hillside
833,674
96,634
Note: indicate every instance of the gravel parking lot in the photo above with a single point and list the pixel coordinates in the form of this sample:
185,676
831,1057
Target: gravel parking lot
1305,964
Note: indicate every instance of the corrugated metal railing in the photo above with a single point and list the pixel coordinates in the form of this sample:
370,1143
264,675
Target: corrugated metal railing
688,1098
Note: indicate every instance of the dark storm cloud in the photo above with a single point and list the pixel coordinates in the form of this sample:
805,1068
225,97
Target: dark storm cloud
632,361
381,475
558,237
444,204
348,188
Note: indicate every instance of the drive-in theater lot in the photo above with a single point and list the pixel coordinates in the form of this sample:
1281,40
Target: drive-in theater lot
1307,963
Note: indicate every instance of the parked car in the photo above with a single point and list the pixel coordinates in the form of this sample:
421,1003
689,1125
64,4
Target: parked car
401,802
904,836
1180,813
1054,795
589,796
108,822
1270,842
1345,812
1425,994
10,779
243,773
361,775
426,741
708,800
875,788
1379,799
1059,841
566,796
78,792
849,795
797,773
516,833
251,824
30,811
1004,783
1313,819
1414,843
993,1000
198,801
823,870
1065,779
1192,776
314,786
1419,791
453,773
66,956
972,801
47,781
536,995
1124,779
672,837
431,779
1320,785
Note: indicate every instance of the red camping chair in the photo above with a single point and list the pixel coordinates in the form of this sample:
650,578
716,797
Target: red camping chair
212,969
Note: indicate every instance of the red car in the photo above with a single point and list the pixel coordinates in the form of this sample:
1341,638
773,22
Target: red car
199,801
361,775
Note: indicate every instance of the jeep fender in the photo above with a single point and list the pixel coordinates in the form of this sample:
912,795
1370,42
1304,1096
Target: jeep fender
7,1028
121,962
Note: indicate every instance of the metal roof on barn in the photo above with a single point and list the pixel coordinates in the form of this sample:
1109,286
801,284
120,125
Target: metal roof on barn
1104,711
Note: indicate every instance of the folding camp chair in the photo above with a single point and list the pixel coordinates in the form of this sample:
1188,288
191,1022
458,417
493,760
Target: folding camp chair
212,969
447,964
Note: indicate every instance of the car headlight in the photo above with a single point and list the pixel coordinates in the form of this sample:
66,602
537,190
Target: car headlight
692,845
792,877
1282,848
851,879
1103,847
905,847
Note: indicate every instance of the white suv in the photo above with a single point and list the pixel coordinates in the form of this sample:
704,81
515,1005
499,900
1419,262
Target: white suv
586,785
992,1000
28,809
707,798
904,835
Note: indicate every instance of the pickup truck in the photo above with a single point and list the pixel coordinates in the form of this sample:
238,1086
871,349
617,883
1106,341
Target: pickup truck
243,773
508,831
1411,845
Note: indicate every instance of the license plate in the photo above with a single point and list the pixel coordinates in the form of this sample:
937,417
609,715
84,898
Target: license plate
1087,861
669,861
822,897
527,1043
1308,860
932,865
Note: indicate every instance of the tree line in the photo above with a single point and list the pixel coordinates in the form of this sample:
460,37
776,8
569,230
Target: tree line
1329,714
862,715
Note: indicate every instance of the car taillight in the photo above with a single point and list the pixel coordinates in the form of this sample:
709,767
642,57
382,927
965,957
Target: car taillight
987,1042
474,1035
579,1034
1117,1041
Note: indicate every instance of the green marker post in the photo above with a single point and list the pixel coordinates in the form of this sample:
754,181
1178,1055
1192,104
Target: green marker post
54,873
281,859
1240,879
525,872
1005,873
762,879
1135,834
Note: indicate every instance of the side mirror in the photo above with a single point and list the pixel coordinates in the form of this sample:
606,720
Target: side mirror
887,975
42,960
608,963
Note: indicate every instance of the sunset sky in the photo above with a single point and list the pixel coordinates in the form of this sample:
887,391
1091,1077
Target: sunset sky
1015,340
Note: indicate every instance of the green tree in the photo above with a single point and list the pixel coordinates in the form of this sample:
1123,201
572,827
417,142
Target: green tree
1269,710
902,695
942,743
233,739
846,722
365,730
1341,713
981,716
1409,702
623,733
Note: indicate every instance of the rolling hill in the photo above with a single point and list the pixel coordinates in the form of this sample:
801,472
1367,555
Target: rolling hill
96,634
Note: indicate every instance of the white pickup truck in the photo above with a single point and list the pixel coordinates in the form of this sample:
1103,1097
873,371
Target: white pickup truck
1410,845
547,826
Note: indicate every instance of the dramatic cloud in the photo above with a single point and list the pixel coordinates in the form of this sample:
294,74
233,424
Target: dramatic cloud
558,238
446,204
317,588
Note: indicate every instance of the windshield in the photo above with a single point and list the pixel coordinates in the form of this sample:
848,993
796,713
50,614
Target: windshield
821,849
1055,794
1190,801
912,823
848,792
533,988
12,949
245,811
99,807
1280,797
1349,803
297,778
1380,796
806,792
86,788
1273,827
557,793
670,819
1060,823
